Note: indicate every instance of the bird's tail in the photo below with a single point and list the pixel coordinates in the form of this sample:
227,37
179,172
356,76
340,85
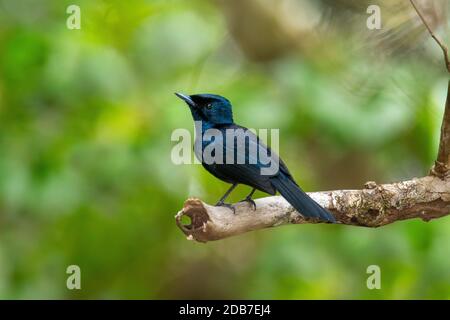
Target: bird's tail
299,199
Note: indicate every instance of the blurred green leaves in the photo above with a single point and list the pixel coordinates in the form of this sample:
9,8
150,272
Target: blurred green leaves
86,178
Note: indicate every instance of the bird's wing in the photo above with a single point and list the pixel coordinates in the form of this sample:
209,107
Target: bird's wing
249,169
267,150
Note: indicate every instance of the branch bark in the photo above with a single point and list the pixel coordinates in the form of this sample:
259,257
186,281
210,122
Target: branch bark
442,164
376,205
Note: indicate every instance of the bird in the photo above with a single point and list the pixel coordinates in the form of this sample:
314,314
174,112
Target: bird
214,112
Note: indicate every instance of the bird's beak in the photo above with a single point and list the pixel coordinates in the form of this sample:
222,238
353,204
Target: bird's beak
186,99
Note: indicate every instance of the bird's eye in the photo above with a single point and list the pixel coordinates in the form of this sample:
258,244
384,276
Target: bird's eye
209,106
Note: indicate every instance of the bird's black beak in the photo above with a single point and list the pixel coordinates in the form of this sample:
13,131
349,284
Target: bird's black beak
186,99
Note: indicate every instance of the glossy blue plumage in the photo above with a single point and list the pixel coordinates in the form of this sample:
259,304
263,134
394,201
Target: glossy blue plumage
215,112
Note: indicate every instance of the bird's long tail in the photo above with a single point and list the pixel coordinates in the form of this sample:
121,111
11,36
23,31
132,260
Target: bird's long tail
299,199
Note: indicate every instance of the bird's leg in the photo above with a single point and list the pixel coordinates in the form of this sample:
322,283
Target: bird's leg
221,202
249,199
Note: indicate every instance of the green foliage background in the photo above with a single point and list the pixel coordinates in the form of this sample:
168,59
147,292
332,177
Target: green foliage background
86,118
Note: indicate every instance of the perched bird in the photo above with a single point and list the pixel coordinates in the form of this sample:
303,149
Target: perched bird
215,112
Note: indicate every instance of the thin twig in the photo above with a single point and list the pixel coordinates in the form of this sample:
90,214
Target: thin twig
438,41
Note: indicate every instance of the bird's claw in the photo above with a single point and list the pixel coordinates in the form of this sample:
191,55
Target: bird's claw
251,201
227,205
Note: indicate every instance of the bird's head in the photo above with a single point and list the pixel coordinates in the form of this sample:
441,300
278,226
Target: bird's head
210,108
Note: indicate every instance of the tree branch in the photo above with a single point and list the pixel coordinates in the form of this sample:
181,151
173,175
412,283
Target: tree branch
376,205
442,164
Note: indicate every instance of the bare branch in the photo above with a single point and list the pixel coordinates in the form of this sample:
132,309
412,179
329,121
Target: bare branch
442,164
377,205
438,41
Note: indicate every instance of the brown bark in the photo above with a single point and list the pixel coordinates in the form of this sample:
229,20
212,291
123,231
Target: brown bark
442,163
374,206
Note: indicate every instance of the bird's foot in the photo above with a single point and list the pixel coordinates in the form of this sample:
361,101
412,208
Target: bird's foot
227,205
251,201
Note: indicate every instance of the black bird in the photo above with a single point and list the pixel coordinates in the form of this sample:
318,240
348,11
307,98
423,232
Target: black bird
215,112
